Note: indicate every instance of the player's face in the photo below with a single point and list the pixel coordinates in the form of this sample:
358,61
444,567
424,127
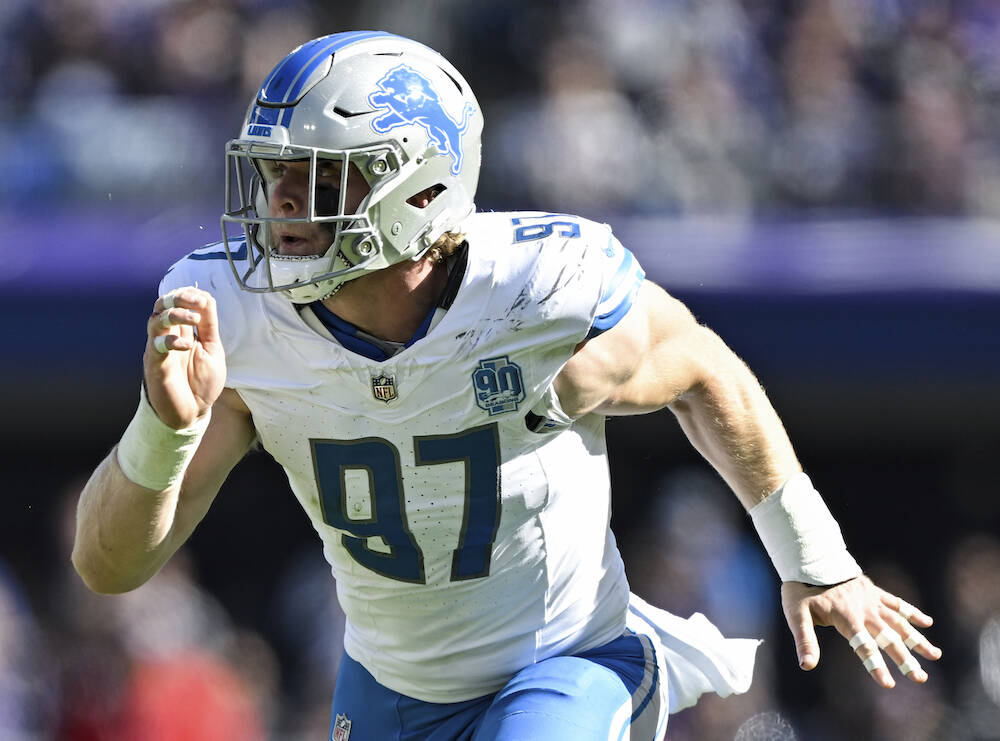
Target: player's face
287,186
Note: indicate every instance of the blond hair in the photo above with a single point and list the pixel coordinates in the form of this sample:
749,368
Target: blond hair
445,246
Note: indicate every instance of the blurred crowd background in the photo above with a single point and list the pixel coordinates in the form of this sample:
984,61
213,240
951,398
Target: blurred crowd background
818,179
638,106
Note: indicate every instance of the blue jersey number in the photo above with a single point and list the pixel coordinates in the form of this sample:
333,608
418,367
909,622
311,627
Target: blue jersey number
528,232
478,448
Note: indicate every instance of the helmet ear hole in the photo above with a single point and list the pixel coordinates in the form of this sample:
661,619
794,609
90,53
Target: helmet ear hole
424,197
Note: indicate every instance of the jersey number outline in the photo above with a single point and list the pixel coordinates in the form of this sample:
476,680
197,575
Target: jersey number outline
478,448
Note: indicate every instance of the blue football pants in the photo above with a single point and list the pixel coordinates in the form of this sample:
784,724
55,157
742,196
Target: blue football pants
610,692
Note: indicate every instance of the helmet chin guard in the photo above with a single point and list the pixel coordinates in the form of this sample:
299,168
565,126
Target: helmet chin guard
379,107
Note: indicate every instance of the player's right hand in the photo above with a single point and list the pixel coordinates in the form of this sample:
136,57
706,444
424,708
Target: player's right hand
184,363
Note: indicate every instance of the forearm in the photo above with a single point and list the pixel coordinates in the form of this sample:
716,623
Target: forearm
730,421
140,504
123,530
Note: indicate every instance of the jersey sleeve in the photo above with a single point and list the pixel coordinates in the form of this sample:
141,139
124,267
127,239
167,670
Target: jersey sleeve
579,263
622,276
204,264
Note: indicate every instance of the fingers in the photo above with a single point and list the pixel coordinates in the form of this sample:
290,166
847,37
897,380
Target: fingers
164,343
915,640
897,647
172,329
907,611
867,650
178,315
800,622
185,297
178,318
910,637
892,643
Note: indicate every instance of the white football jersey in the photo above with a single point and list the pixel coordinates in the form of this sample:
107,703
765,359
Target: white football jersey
465,544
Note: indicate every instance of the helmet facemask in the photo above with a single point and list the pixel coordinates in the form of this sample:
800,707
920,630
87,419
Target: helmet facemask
355,245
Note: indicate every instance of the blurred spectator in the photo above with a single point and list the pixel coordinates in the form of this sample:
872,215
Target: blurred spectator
973,574
828,137
973,584
586,149
25,697
266,38
720,106
213,697
694,552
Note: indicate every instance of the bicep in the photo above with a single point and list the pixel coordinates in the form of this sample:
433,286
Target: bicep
655,354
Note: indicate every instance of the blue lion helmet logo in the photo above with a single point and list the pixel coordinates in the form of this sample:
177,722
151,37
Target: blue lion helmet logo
411,99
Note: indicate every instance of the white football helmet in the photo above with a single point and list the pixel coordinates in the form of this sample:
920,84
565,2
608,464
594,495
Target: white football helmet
396,110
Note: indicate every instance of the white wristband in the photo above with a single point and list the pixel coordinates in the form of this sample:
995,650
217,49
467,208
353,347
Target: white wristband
153,454
801,537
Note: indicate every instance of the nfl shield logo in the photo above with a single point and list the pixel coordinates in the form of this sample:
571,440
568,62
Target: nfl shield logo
384,388
341,728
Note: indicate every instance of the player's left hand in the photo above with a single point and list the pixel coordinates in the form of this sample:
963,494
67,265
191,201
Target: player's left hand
870,618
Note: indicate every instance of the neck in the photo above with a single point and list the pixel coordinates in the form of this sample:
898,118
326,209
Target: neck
392,302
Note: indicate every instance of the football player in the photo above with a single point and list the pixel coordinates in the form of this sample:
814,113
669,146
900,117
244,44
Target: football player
435,382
